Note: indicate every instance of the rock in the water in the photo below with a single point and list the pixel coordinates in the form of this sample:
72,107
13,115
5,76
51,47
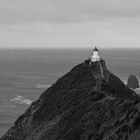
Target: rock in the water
88,103
133,82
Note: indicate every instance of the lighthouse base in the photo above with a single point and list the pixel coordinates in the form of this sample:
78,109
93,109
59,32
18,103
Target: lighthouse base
95,59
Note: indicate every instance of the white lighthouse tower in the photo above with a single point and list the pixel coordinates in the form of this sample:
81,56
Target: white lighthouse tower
95,57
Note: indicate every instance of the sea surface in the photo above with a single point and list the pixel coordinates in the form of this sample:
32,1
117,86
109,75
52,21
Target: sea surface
25,74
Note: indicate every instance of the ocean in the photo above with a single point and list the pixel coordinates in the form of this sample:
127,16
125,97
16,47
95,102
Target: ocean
25,74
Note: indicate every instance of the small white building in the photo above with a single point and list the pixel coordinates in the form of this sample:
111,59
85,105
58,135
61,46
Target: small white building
96,56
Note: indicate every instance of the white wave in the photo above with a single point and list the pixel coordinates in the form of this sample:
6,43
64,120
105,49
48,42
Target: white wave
21,100
137,90
43,86
124,81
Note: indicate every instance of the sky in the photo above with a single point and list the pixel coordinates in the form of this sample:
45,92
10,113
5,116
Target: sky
69,23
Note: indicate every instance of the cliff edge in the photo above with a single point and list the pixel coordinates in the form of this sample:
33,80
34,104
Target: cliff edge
87,103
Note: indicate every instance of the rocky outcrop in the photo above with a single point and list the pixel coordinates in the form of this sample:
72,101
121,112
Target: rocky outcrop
87,103
133,82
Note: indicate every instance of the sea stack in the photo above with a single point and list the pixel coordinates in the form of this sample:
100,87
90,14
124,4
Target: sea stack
133,82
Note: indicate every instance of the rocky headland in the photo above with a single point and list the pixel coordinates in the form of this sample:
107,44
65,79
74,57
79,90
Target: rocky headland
87,103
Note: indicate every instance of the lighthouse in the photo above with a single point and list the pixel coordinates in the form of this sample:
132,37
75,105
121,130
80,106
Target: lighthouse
95,57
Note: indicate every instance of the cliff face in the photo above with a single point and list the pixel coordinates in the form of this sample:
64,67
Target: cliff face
87,103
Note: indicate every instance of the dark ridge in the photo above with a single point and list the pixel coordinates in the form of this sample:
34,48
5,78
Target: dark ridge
89,102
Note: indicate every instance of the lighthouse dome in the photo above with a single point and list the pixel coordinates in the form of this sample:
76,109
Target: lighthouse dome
95,49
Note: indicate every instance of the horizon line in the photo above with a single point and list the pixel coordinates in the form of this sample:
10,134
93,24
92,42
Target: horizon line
62,48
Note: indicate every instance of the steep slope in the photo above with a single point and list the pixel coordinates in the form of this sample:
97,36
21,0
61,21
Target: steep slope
87,103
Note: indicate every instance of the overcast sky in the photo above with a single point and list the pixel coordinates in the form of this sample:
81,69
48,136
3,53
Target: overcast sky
69,23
